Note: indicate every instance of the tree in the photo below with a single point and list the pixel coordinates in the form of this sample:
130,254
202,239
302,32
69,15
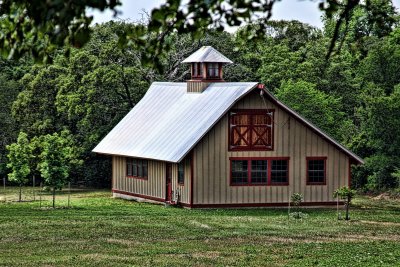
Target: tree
56,158
320,108
38,29
347,195
19,158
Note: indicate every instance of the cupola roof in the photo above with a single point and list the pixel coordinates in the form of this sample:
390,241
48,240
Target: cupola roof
207,54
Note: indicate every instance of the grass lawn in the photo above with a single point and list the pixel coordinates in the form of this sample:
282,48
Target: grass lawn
101,231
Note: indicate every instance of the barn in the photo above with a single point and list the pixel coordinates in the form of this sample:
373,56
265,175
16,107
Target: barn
208,143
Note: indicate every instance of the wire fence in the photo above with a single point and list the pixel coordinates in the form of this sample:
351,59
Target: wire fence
42,196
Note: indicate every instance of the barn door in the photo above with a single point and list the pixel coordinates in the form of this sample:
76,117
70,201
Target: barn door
168,183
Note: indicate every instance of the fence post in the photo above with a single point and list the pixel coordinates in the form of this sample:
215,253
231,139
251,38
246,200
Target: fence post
33,187
40,195
69,194
4,189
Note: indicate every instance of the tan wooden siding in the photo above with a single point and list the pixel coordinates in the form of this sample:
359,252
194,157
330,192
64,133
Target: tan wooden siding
196,86
154,186
291,139
183,189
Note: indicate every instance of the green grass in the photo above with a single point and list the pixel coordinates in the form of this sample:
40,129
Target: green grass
101,231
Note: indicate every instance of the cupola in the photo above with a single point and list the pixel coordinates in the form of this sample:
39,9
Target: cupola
205,67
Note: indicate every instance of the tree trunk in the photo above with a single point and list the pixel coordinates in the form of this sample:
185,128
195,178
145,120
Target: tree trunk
54,197
20,193
347,209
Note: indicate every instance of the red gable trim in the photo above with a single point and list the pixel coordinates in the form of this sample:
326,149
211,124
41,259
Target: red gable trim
314,128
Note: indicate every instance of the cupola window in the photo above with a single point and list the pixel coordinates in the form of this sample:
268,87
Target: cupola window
197,70
213,70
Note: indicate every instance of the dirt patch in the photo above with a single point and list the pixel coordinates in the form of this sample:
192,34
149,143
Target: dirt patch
201,225
383,196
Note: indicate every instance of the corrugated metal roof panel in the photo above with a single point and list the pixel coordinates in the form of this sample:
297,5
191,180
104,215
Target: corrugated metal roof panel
207,54
168,122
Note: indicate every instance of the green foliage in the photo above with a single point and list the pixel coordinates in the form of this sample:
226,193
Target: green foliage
19,157
346,194
56,158
31,27
296,199
320,108
353,96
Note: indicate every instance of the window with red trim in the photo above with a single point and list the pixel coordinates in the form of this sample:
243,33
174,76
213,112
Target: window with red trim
251,130
197,70
259,171
213,70
316,170
136,168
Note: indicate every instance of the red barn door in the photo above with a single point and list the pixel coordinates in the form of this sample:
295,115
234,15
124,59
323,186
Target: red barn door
169,183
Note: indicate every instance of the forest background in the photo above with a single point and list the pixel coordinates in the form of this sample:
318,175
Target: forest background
353,95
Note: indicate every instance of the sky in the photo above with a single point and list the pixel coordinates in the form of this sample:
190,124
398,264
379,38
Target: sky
303,10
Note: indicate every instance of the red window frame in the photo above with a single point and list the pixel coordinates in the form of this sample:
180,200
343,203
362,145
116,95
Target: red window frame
249,159
199,70
144,168
251,146
307,170
216,67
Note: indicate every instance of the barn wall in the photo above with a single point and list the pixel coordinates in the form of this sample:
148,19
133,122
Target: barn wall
153,187
291,139
183,189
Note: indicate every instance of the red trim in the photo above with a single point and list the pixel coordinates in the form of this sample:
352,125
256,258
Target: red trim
191,178
218,69
206,80
199,67
168,186
129,165
249,159
233,205
137,177
316,158
309,125
250,112
137,195
255,205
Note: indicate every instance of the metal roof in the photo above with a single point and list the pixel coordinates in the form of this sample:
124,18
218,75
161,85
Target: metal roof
168,122
207,54
313,127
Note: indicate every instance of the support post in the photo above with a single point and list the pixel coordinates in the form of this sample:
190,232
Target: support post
69,194
33,187
4,189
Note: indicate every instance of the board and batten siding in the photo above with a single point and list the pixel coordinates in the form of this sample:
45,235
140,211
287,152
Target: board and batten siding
291,139
154,187
183,189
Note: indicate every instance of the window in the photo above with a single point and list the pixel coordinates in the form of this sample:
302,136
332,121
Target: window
181,169
213,70
279,171
181,172
259,171
197,70
240,172
316,170
136,168
251,130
